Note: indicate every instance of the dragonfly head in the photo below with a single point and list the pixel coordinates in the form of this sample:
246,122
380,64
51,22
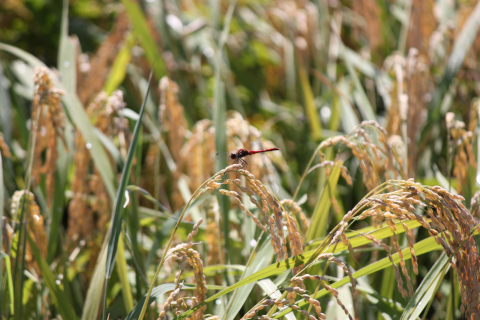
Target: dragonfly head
233,155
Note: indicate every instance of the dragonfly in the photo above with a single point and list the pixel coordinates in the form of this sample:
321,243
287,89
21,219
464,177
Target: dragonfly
238,157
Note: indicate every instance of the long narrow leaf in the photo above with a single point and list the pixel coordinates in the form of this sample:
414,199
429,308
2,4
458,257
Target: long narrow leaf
318,226
66,55
426,289
144,34
1,230
8,271
261,260
116,220
156,292
309,101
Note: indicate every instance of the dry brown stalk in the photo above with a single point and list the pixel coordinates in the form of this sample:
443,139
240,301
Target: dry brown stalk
51,125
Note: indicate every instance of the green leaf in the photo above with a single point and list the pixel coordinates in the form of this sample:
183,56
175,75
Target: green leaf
261,259
116,220
67,64
144,34
271,289
56,293
156,292
319,220
98,153
148,196
94,293
427,289
389,308
8,270
68,72
6,109
119,67
365,106
349,119
123,275
2,193
310,106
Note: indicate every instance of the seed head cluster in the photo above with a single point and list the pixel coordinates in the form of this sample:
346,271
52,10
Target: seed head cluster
187,254
369,154
48,122
461,141
89,210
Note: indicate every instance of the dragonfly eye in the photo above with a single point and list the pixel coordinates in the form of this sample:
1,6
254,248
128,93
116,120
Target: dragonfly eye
232,155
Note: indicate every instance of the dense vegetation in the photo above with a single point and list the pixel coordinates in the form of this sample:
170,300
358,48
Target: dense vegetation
113,203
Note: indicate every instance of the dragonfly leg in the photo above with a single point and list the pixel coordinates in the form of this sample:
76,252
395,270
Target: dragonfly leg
244,164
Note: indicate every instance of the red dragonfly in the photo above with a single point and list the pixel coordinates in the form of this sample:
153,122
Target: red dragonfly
237,157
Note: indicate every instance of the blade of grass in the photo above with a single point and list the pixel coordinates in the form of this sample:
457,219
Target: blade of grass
119,67
18,273
56,293
319,221
349,119
144,34
123,275
66,54
271,289
94,297
8,271
68,72
2,193
365,106
148,196
426,290
116,220
6,109
259,259
156,292
212,270
309,101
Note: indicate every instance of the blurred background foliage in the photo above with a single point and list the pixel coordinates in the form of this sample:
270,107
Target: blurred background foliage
226,75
